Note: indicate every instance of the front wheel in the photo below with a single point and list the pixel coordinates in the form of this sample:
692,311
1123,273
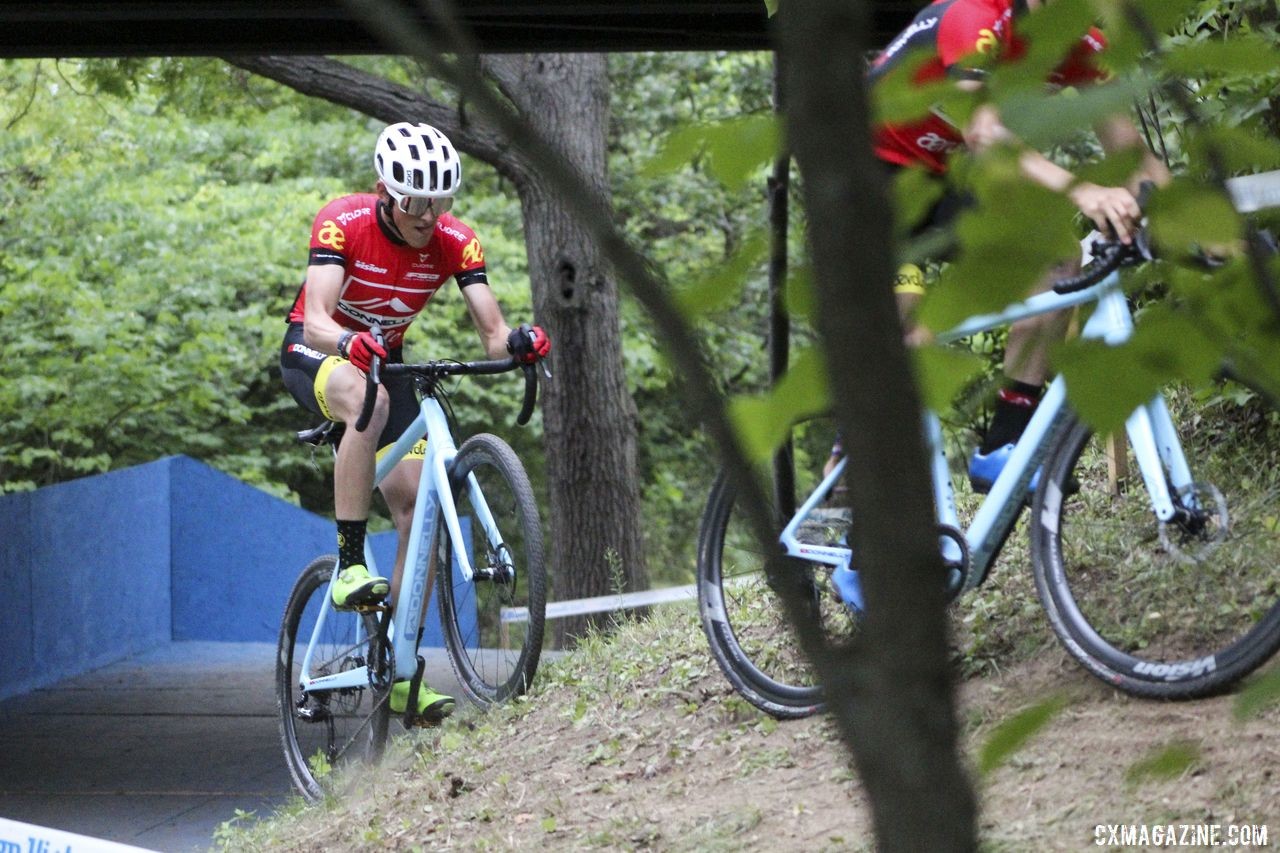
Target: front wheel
1170,610
323,730
493,624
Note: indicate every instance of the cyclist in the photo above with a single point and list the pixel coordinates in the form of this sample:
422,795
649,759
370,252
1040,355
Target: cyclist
961,38
375,261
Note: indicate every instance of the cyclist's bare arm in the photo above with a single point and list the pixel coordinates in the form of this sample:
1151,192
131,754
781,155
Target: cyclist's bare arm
1113,209
324,285
486,314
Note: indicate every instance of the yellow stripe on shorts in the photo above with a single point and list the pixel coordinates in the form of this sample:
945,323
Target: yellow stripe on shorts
910,279
322,378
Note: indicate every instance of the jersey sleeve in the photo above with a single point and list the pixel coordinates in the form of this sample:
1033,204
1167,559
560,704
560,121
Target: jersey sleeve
1083,65
328,239
970,37
462,252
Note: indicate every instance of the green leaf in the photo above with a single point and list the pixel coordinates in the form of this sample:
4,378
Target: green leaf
1243,55
1242,151
1008,242
1257,696
723,286
798,293
1164,763
915,192
1114,170
1106,383
943,372
1041,120
736,148
764,421
1014,733
1186,213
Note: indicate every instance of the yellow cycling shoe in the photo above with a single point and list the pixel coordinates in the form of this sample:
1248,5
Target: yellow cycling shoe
355,586
432,707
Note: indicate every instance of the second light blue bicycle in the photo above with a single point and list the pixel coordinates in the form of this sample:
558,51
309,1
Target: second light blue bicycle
1156,553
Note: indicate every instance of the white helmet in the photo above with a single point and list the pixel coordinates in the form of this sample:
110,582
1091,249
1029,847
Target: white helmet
417,160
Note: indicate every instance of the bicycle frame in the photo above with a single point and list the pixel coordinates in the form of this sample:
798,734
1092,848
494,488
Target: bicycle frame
1150,431
434,493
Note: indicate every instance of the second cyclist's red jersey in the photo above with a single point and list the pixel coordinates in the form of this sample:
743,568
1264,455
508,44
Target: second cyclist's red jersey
953,32
386,281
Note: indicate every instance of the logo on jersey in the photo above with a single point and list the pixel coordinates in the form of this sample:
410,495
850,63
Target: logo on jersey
901,41
347,217
453,232
473,255
935,143
331,235
300,349
988,42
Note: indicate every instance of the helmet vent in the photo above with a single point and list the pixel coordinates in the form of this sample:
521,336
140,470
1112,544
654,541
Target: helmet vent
413,152
435,175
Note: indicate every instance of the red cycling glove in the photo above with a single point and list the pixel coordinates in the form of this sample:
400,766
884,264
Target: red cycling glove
528,343
359,348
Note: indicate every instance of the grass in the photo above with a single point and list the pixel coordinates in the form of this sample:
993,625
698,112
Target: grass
636,741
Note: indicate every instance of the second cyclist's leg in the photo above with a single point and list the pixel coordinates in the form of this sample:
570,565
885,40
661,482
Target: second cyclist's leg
400,490
353,474
1026,367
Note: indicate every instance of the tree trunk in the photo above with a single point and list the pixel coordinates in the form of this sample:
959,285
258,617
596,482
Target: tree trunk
893,700
587,412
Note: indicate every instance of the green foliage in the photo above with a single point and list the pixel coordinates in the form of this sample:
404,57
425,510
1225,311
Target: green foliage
1014,733
764,421
1258,695
161,245
1167,762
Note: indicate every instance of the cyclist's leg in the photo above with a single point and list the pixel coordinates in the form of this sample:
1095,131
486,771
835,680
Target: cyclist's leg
1026,356
400,490
333,388
400,487
1026,368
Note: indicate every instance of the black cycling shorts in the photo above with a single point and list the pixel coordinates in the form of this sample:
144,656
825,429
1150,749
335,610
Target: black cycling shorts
305,372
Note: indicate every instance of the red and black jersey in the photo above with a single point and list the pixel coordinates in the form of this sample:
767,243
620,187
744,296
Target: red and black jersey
961,36
387,281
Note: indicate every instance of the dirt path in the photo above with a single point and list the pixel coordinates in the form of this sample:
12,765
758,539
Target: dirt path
650,749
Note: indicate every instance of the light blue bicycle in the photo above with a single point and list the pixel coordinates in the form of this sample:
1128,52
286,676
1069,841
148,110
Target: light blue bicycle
476,521
1157,559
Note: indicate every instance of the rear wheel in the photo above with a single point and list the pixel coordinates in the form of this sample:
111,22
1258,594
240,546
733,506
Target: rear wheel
743,617
324,730
493,624
1178,609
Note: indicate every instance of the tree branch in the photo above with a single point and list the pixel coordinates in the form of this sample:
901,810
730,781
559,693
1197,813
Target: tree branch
376,96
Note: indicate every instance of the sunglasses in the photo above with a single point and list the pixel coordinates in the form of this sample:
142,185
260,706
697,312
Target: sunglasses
417,206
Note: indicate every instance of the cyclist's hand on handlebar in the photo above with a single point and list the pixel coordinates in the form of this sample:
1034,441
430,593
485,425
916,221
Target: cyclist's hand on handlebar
1114,210
528,343
359,348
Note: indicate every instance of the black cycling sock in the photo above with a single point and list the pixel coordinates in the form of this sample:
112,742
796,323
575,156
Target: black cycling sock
350,542
1015,404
